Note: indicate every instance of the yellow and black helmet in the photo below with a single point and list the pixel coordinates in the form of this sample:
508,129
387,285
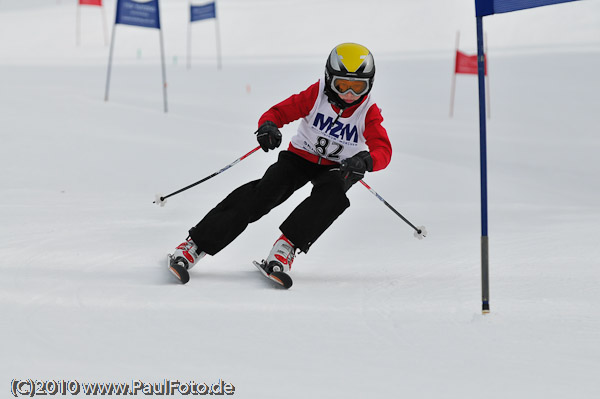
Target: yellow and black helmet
350,67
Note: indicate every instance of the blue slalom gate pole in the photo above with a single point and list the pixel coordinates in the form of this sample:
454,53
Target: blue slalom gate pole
485,283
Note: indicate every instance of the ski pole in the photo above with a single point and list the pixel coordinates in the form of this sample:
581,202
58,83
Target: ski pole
160,200
420,231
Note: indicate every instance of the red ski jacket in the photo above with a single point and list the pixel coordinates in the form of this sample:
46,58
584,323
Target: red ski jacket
299,105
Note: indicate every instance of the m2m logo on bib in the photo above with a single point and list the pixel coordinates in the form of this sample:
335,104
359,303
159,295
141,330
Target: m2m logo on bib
341,131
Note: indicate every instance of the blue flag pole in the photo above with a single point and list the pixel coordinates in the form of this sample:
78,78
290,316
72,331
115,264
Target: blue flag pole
483,8
145,15
218,37
485,286
164,72
110,58
189,37
78,25
199,13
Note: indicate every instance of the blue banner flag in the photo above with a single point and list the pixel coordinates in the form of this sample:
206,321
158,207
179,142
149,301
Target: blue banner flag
489,7
142,13
206,11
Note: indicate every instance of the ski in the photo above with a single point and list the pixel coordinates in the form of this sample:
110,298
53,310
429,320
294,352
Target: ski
178,270
183,276
281,278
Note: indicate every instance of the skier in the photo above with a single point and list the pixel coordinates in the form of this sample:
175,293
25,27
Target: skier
339,138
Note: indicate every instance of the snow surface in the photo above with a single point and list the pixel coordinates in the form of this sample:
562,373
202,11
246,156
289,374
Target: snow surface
373,313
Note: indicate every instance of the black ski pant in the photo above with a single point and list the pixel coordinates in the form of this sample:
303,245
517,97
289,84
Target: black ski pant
253,200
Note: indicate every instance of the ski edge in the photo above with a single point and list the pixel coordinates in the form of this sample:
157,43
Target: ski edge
180,272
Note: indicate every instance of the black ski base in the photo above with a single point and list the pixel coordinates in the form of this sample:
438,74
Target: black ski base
178,270
280,278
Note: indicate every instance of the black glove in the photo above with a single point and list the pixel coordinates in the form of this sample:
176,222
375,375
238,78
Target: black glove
268,136
354,168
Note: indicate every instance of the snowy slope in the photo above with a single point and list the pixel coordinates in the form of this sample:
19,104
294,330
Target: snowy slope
373,312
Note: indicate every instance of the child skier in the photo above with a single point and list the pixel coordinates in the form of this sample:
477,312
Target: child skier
339,138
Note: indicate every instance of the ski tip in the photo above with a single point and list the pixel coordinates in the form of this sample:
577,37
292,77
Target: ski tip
183,277
282,278
180,272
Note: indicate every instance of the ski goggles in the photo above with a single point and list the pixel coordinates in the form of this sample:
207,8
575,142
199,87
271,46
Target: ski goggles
343,85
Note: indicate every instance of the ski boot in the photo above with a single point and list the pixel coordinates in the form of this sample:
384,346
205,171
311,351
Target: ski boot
279,262
281,257
186,255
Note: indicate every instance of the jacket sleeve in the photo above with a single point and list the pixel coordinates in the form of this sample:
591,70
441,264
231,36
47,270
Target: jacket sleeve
377,139
293,108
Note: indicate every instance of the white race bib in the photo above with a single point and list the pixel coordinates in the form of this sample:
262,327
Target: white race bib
317,134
